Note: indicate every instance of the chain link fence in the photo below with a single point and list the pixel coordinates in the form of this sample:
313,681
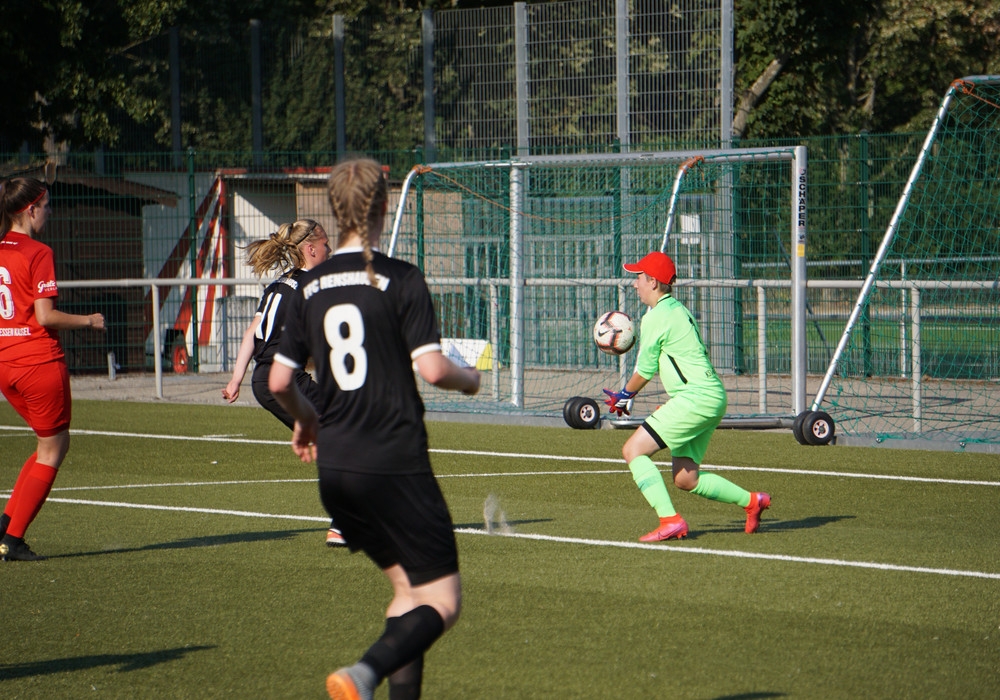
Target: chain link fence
454,84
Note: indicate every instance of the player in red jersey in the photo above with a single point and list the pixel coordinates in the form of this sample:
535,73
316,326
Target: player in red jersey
33,373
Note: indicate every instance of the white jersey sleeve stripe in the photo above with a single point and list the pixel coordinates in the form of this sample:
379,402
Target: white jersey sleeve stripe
424,349
287,362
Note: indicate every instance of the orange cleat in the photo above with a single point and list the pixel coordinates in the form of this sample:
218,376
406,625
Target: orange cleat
334,538
759,502
670,528
340,685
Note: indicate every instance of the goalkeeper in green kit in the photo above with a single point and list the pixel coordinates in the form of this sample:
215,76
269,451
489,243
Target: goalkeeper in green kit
671,346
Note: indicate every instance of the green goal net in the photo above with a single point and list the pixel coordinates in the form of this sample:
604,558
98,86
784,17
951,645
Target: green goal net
919,359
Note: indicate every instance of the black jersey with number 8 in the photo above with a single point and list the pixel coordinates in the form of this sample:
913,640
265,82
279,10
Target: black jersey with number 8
363,340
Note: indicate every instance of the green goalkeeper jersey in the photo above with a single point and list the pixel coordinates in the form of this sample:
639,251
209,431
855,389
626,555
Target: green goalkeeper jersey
670,344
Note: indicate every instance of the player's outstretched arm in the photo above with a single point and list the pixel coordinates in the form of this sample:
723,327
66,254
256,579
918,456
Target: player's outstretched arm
51,317
231,392
437,369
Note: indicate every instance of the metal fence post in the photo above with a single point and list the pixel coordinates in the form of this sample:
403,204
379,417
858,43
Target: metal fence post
521,71
726,71
175,96
154,295
427,40
256,94
516,289
193,256
339,109
621,75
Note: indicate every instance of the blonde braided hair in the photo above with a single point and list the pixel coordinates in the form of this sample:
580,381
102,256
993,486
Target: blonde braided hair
281,250
358,194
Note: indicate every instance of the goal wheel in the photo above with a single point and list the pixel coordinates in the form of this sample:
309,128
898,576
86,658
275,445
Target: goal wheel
582,413
569,408
797,427
818,428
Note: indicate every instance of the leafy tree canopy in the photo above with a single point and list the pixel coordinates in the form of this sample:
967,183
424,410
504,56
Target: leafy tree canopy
806,68
802,68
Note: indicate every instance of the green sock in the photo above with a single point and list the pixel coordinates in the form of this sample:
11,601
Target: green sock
650,482
715,488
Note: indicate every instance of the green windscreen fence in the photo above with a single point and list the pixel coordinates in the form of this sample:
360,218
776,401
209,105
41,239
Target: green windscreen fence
124,221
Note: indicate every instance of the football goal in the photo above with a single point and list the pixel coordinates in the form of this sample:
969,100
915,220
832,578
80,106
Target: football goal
524,255
918,363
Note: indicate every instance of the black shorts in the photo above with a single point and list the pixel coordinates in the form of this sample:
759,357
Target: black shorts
394,519
258,383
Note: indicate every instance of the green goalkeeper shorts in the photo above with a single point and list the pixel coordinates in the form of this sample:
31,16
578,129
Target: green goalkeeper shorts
686,422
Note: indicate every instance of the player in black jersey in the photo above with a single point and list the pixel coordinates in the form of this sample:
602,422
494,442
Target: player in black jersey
291,249
367,320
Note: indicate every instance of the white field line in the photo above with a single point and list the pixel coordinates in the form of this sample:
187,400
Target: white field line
524,536
738,554
550,458
569,540
185,509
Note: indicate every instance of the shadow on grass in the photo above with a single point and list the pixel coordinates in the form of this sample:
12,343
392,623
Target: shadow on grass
125,662
751,696
771,526
206,541
803,524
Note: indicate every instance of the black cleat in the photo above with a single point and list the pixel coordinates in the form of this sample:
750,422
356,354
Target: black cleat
16,549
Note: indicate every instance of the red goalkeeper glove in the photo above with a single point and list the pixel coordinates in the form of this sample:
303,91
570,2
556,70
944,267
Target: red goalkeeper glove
620,402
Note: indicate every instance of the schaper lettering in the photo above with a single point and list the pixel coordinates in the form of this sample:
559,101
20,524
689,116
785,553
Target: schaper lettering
802,201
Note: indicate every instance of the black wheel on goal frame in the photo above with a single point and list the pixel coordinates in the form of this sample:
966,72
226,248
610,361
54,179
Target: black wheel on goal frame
797,427
582,413
569,409
818,428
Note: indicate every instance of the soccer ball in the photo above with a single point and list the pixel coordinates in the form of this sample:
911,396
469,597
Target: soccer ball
614,333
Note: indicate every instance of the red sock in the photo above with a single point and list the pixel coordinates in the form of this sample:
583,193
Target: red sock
31,492
12,501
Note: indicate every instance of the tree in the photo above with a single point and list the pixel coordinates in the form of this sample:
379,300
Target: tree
77,70
65,61
794,65
52,85
838,67
918,49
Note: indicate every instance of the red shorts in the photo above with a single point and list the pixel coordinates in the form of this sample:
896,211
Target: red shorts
40,394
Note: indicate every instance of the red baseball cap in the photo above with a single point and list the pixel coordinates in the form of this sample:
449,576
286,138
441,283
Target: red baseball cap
657,265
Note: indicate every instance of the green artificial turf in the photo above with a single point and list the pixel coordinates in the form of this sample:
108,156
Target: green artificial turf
866,580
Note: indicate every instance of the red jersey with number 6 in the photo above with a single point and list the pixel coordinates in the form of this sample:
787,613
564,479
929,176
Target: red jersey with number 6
27,272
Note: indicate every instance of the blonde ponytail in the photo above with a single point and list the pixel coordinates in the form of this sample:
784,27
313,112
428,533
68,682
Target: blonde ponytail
282,249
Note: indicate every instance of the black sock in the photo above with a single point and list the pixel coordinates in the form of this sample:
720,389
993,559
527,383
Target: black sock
405,638
4,522
405,682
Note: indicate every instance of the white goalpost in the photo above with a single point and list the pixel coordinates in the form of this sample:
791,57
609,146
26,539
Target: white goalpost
524,255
